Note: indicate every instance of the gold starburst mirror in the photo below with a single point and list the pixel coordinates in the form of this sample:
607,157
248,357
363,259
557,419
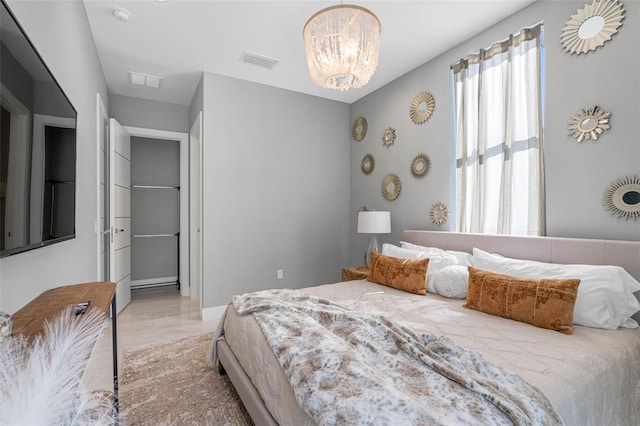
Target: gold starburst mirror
359,128
368,163
420,166
439,213
592,26
389,136
391,187
589,124
422,107
622,198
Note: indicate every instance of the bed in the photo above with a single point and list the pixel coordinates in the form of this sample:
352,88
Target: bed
591,376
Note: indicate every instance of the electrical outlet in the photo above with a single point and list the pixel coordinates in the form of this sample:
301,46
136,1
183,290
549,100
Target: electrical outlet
280,274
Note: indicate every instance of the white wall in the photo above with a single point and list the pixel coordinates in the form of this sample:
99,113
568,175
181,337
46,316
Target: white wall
60,31
577,173
276,188
197,102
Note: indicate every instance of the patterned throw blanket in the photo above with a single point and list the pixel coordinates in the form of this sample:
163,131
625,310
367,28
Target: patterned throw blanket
348,367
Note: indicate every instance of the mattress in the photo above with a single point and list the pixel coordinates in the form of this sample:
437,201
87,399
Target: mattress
592,376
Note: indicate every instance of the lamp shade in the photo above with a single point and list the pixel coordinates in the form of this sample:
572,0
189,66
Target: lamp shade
374,222
342,46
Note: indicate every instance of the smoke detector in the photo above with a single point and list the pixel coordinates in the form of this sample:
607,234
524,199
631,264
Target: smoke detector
260,60
121,14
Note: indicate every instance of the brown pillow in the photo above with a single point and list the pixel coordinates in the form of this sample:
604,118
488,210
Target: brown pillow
404,274
546,303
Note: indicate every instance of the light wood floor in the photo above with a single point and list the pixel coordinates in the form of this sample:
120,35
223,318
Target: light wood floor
153,316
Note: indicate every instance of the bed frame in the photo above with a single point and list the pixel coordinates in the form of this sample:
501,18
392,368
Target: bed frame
545,249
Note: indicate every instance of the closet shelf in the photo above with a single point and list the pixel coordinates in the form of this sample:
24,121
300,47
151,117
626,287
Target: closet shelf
177,234
155,187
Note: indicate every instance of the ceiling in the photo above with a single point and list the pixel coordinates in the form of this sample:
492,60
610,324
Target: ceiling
179,39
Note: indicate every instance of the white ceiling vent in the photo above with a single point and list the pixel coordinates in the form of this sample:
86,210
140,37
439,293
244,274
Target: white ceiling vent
255,59
144,79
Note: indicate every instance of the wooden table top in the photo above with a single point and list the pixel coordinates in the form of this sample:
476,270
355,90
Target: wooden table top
29,320
355,273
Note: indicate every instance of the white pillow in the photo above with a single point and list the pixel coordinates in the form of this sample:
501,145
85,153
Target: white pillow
395,251
430,250
463,257
605,295
437,260
452,281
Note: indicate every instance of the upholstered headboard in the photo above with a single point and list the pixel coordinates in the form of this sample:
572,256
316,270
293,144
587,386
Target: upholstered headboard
544,249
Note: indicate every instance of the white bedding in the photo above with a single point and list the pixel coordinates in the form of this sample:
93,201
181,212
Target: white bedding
592,377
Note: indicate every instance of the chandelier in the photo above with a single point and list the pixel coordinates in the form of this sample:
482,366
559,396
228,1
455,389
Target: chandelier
342,46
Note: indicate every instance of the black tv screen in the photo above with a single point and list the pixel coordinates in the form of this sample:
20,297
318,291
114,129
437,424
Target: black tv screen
37,147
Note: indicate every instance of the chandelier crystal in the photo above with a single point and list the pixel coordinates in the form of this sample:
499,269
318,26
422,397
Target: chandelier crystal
342,46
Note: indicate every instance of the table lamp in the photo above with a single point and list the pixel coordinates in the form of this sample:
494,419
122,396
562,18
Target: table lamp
373,222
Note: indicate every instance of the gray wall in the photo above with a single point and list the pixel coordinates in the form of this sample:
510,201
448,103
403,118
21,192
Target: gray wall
577,173
147,114
276,188
60,31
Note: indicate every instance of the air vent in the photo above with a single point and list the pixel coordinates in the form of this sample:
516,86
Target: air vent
255,59
144,79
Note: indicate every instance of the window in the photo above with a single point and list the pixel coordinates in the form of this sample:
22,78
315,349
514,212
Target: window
497,109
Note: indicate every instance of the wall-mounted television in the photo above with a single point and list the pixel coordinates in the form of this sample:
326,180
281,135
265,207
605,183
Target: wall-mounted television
37,147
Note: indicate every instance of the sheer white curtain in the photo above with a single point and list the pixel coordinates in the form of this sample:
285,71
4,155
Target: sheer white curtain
498,136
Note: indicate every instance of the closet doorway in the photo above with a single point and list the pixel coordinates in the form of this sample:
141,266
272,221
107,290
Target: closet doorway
141,275
151,227
105,229
155,213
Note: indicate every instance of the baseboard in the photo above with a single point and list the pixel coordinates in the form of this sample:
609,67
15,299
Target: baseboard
154,282
213,313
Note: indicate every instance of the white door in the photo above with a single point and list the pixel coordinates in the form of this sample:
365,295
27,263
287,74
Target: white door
195,175
120,212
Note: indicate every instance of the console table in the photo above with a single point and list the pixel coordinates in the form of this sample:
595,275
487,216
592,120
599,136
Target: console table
29,320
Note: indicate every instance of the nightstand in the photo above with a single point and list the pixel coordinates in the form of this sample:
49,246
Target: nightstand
355,273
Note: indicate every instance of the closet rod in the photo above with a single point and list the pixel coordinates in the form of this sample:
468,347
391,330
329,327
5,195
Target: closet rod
155,235
155,187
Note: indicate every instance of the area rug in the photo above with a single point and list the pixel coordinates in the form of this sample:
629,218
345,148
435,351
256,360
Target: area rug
171,384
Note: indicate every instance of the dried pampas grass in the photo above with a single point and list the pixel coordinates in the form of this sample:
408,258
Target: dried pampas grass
41,381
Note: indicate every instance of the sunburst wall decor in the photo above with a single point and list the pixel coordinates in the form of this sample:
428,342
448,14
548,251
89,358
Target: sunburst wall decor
389,136
439,213
420,166
368,163
391,187
622,198
422,107
359,128
592,26
589,123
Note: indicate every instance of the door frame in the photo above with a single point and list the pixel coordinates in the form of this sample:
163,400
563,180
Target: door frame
195,208
183,139
102,226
